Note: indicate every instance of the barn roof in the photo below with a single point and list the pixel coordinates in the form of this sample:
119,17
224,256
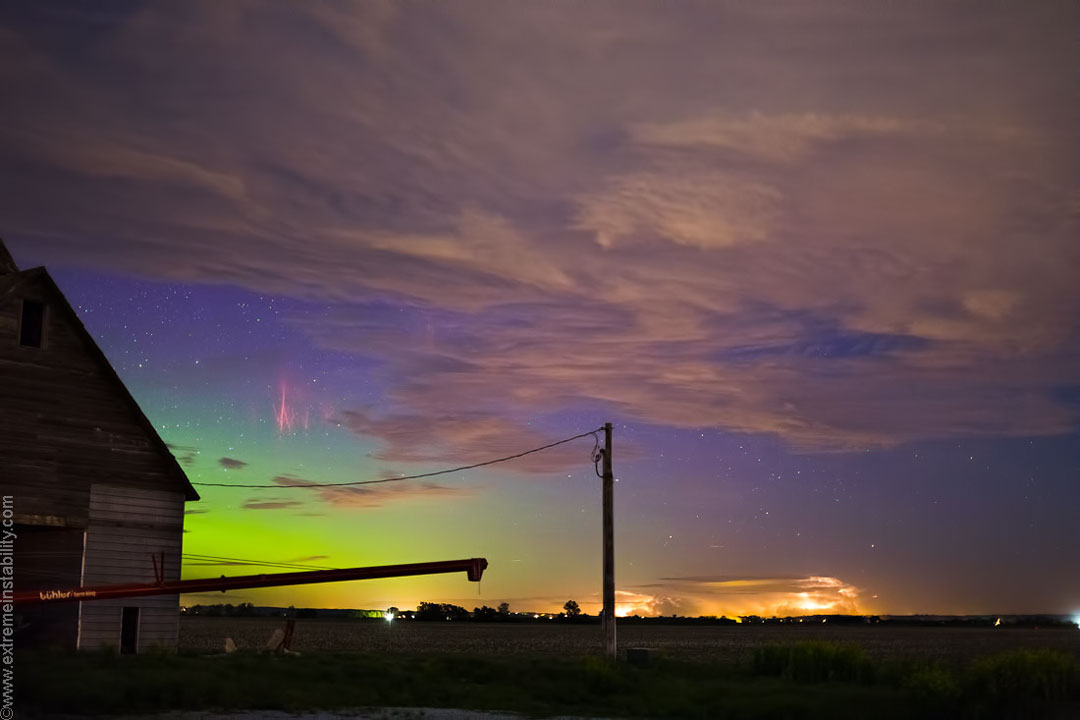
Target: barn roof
8,267
7,263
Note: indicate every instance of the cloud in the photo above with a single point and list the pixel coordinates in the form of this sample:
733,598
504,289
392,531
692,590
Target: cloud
729,596
751,217
231,463
185,454
740,596
371,496
632,603
783,137
483,244
706,210
783,372
116,162
463,439
272,504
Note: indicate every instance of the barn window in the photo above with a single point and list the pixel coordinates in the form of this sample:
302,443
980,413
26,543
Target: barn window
129,630
32,324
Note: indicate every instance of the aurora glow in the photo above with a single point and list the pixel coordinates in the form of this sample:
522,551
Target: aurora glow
817,262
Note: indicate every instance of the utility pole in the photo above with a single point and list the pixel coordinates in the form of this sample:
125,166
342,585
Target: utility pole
608,618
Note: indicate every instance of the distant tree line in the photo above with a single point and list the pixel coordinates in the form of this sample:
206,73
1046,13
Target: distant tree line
446,611
429,611
252,610
227,610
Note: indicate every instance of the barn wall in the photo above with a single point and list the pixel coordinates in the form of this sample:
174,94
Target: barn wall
159,622
48,557
127,528
65,422
67,426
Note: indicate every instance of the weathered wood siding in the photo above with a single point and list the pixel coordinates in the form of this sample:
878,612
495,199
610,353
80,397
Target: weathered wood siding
76,453
64,423
48,557
127,528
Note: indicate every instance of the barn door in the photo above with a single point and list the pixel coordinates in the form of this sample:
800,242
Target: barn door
129,631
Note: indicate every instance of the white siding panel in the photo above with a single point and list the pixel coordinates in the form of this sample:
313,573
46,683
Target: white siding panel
128,528
159,622
111,503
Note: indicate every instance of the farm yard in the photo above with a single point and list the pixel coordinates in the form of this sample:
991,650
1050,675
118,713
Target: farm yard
724,643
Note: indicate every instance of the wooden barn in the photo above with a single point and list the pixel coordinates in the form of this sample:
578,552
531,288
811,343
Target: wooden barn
97,496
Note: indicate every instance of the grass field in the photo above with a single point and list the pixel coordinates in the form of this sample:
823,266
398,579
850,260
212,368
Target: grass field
702,672
723,643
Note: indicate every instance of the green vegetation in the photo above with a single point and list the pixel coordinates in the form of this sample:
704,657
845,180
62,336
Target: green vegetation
1016,680
803,680
815,661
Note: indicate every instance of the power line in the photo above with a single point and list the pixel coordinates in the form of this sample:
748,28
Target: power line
212,559
403,477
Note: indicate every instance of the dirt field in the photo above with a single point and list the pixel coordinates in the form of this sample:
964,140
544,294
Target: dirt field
720,643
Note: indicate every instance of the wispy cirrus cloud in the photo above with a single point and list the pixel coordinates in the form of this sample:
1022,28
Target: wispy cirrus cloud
463,439
595,218
781,137
371,496
257,504
704,209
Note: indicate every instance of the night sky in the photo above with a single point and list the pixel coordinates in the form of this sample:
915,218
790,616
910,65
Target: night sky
817,262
